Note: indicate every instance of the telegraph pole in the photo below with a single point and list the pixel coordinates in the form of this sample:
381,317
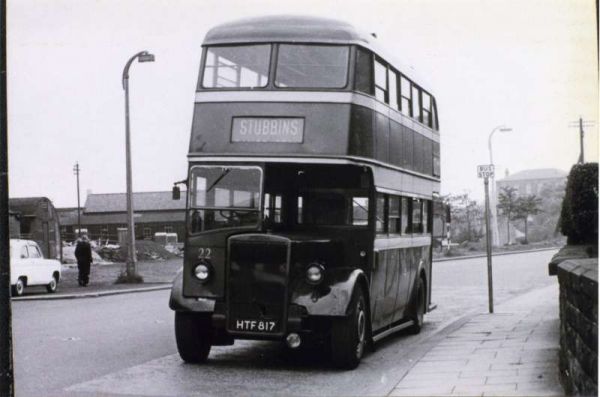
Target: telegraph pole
581,124
581,161
6,352
76,170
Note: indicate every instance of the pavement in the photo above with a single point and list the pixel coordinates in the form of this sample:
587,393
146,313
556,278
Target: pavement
513,351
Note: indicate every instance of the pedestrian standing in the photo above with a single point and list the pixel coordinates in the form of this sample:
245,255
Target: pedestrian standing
83,253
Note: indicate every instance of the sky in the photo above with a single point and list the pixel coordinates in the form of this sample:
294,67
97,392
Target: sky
530,65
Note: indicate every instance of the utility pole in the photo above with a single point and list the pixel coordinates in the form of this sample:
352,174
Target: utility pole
76,170
6,353
581,124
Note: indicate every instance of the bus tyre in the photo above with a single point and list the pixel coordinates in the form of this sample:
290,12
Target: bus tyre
193,334
417,308
349,334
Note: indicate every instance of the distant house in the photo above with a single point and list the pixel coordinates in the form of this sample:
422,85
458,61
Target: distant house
528,182
533,181
104,216
35,218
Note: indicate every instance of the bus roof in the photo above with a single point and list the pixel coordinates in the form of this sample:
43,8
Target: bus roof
303,29
285,28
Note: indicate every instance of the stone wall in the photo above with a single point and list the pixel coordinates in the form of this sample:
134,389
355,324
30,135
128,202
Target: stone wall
578,279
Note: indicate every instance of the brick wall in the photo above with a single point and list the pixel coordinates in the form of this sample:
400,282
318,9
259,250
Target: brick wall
578,279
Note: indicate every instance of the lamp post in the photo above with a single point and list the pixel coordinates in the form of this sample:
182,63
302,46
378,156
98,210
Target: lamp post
131,269
495,233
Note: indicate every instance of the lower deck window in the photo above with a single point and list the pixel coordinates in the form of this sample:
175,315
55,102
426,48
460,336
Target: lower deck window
417,216
272,210
402,215
394,226
360,211
380,221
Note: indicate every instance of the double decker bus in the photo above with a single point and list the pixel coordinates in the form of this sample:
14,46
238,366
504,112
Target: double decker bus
313,166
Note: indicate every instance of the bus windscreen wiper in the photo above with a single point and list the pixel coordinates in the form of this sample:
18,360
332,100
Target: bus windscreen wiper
223,174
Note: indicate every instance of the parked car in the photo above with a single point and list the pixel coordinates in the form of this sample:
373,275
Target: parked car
28,267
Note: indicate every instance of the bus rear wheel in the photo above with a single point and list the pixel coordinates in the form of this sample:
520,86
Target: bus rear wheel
193,334
349,334
418,308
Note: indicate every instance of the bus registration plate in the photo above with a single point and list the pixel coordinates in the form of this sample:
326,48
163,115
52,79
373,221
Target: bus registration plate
255,325
268,129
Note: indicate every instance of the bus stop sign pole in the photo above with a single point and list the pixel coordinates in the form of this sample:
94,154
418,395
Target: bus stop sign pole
486,172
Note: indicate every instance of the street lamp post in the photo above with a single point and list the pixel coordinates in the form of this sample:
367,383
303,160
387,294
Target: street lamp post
131,269
494,212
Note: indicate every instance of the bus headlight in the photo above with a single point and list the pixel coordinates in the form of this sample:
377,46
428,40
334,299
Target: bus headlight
202,271
315,273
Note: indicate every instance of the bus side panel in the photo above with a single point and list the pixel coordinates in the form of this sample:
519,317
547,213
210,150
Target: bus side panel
361,139
375,135
325,128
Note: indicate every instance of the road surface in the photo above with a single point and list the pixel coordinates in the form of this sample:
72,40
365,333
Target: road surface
124,344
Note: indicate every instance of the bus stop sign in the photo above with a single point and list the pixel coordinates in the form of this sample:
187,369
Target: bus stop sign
485,171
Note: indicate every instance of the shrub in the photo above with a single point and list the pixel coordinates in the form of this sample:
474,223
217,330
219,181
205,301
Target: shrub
579,213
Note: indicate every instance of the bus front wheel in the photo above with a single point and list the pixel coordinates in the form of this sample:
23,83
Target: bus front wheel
349,333
193,334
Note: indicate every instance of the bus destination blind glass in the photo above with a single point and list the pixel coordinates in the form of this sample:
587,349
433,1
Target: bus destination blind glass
268,129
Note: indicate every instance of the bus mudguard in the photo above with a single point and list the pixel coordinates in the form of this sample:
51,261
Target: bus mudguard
333,297
179,302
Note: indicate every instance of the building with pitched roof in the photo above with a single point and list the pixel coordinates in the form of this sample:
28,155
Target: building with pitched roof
533,181
105,215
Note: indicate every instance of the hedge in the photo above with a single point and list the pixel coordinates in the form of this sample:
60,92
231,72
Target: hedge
579,213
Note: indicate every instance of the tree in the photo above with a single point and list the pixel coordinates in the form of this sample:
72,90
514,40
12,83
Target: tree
526,206
545,226
507,203
466,217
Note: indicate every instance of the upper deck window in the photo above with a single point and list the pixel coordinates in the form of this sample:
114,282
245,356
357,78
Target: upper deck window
426,110
381,81
245,66
393,83
405,96
363,75
312,66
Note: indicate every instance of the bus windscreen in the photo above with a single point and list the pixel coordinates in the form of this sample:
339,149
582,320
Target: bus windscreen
224,197
312,66
244,66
